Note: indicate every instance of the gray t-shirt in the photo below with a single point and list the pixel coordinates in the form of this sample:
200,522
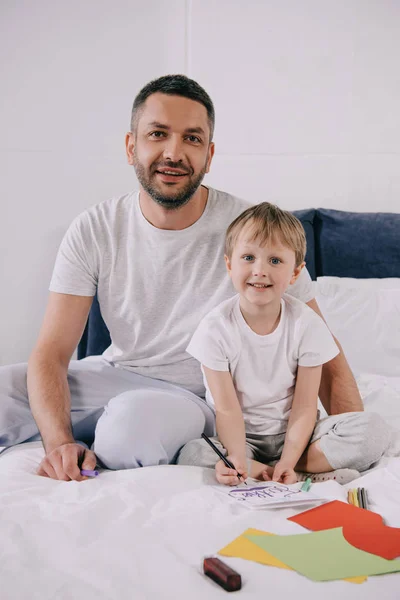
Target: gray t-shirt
154,285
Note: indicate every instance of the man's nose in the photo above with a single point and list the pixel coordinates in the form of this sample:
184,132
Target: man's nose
173,149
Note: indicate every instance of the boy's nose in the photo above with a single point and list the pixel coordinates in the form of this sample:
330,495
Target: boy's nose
260,269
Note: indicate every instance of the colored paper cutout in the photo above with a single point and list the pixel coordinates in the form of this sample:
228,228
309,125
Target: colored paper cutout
324,555
242,547
362,528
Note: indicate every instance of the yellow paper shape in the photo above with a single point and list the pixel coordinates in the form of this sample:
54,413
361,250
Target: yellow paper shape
241,547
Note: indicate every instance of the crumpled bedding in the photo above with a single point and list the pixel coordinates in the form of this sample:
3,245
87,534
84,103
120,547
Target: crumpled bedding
142,534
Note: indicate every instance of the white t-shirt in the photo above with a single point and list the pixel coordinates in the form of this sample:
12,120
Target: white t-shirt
263,367
154,285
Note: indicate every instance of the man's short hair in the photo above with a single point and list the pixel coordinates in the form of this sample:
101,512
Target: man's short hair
174,85
268,222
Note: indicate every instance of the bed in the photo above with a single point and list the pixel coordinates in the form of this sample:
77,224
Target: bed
142,534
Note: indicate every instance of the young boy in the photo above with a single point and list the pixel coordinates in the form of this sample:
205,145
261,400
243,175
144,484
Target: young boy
262,353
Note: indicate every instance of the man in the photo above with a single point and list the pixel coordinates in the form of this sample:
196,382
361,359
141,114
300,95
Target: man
156,260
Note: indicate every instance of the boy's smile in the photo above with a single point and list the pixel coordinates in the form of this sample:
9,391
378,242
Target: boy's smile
260,286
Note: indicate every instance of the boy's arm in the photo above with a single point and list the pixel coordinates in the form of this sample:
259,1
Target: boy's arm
229,421
338,390
302,417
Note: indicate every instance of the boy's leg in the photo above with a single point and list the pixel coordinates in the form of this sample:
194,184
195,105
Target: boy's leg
198,453
266,451
346,441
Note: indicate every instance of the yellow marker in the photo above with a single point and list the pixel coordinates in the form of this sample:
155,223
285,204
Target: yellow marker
355,499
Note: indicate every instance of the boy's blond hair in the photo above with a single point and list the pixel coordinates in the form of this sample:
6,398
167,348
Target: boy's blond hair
268,222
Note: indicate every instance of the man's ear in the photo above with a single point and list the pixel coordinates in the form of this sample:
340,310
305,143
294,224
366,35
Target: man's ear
130,146
228,264
296,272
211,150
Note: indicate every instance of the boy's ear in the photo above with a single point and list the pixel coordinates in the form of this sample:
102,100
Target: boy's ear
228,264
296,272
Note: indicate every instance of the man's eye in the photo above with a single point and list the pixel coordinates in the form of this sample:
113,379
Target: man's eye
276,261
248,257
194,139
157,134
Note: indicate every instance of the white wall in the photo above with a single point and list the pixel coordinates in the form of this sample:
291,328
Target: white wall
306,94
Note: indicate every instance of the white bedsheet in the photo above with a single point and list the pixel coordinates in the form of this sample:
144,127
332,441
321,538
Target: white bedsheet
142,534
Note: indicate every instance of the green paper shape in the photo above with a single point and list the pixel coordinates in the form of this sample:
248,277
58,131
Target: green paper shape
324,555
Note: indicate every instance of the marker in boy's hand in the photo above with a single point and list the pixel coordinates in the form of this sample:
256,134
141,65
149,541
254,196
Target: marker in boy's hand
229,476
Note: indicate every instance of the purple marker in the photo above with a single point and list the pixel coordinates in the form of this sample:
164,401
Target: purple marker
88,473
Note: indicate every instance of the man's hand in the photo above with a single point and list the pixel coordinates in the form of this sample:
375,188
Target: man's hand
229,476
284,474
66,461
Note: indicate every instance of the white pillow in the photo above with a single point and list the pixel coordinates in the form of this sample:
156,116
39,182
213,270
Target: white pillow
388,283
364,315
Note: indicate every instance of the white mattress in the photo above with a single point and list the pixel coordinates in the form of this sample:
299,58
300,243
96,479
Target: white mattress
142,534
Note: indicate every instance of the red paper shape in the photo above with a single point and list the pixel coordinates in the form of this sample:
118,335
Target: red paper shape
362,528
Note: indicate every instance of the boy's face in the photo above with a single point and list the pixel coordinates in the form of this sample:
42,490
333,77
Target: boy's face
261,274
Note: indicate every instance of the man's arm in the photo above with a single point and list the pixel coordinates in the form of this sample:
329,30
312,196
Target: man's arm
48,390
338,391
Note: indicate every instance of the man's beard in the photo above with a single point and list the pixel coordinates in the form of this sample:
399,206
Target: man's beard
173,201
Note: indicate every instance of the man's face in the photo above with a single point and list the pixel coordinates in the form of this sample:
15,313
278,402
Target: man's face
170,149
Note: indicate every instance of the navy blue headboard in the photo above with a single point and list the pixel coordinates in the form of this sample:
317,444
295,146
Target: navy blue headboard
96,337
339,243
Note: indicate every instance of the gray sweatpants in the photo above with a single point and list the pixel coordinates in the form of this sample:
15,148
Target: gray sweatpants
350,440
128,419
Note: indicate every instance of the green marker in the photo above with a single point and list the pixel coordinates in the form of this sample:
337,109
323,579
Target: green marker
306,485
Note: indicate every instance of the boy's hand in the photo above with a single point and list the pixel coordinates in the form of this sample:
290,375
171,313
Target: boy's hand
229,476
284,474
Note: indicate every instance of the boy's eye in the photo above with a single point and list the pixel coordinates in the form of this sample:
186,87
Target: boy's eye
276,261
248,257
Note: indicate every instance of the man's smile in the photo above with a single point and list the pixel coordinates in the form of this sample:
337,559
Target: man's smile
169,175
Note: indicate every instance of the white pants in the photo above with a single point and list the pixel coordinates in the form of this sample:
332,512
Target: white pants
128,419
